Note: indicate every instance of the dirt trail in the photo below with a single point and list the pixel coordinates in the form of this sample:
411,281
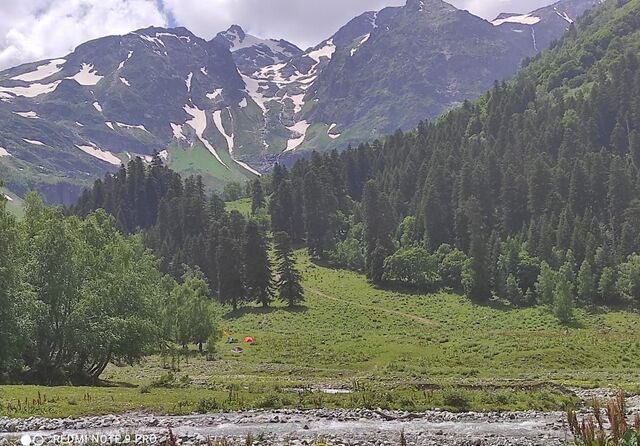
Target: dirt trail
411,317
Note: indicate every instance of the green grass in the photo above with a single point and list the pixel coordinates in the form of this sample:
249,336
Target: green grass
395,350
243,206
197,160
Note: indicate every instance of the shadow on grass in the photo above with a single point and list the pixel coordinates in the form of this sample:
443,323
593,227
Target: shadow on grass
242,311
115,384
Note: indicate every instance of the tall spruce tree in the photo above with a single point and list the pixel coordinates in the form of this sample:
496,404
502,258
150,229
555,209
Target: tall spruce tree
476,277
257,196
231,288
258,273
378,227
289,279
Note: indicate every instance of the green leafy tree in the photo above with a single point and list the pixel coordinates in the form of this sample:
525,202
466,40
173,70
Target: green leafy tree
564,296
607,285
412,266
628,283
587,286
545,285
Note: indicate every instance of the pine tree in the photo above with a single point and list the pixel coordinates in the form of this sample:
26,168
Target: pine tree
476,277
257,265
289,279
378,226
230,270
257,196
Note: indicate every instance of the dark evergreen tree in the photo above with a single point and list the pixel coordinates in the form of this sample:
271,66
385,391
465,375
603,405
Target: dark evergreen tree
289,280
257,265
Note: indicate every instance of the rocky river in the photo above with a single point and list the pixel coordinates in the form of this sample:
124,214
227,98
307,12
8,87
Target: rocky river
298,428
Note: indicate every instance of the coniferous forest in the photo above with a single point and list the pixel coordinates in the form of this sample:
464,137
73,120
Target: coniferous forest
528,194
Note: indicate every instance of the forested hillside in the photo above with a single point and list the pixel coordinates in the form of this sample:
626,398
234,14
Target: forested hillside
532,188
527,194
189,229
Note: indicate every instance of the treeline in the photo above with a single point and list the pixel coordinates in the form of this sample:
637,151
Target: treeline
532,189
189,229
76,295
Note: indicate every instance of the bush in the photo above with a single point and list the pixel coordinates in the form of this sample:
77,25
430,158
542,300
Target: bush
413,266
206,405
456,400
167,381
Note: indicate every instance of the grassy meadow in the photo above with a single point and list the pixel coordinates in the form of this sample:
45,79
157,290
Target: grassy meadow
391,349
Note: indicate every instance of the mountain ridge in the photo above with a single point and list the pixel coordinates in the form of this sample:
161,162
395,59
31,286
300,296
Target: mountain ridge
227,107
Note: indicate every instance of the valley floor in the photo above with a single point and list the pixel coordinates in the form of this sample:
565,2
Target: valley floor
354,346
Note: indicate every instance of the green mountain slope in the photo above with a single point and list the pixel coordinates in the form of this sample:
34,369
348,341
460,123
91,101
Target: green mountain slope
536,185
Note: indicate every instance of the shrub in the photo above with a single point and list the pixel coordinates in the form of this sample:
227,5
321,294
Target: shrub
206,405
456,399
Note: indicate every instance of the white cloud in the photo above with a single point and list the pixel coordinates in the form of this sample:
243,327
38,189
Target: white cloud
32,30
40,29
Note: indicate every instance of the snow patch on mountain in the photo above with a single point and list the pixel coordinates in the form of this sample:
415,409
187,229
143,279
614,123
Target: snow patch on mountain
239,41
125,81
87,75
3,152
42,72
164,155
110,125
31,91
243,103
29,114
121,66
177,131
35,142
153,40
298,101
330,131
299,129
325,51
131,126
188,82
357,47
199,124
215,95
253,90
103,155
217,120
563,15
97,106
183,38
527,19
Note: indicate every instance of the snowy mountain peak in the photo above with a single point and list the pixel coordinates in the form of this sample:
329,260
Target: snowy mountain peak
252,53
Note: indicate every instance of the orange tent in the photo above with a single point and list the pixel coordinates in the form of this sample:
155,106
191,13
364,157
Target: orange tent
249,340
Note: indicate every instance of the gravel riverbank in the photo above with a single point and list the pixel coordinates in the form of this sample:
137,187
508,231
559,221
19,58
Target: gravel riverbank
302,428
297,428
